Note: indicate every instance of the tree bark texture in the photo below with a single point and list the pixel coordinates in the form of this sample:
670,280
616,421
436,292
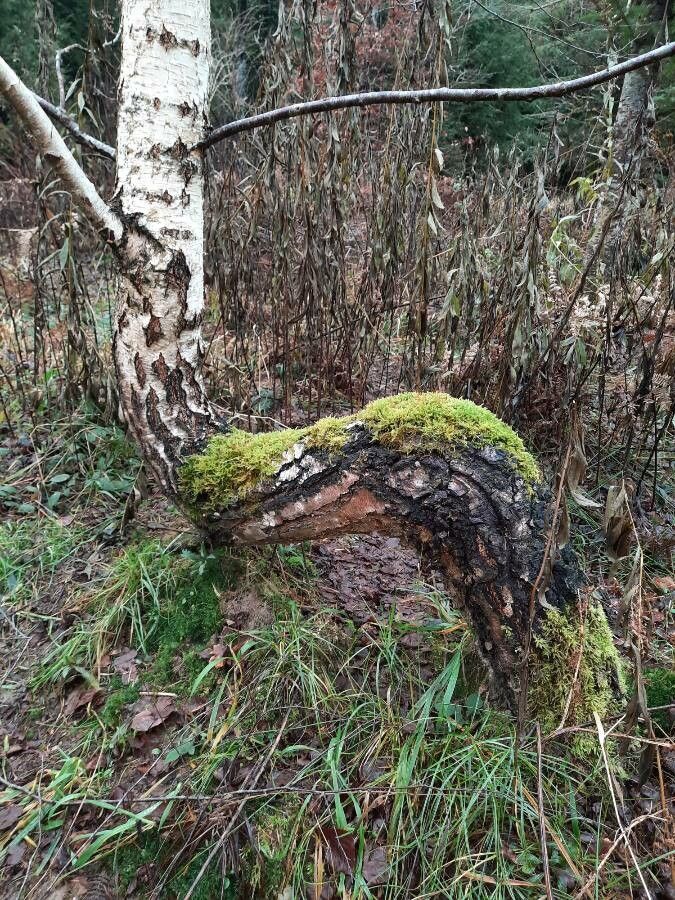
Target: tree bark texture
160,199
469,512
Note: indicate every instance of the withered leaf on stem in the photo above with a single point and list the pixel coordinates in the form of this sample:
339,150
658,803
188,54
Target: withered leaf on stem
340,849
576,469
617,522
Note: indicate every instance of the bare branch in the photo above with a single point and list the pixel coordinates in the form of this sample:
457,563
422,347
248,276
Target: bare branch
59,74
51,145
61,116
436,95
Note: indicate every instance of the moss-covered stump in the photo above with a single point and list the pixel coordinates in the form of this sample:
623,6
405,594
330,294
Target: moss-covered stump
444,473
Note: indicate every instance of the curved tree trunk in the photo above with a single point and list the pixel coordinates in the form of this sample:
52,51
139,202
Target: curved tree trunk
468,509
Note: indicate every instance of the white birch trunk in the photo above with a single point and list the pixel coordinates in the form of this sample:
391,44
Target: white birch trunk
159,197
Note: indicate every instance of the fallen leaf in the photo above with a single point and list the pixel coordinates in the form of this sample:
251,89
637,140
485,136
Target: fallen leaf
125,664
80,697
15,854
375,867
341,849
10,815
149,713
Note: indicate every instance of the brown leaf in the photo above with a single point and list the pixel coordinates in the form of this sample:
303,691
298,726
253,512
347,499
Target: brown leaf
576,468
149,713
340,849
80,697
125,664
617,523
375,866
15,854
10,815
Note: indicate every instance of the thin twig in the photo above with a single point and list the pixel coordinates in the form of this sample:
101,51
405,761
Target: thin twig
86,140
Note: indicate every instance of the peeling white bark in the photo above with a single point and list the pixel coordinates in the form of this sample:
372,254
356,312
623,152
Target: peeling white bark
162,112
163,92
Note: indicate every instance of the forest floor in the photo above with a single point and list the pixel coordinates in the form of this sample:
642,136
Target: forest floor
306,721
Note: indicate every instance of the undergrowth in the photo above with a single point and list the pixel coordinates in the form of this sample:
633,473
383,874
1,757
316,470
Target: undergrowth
390,776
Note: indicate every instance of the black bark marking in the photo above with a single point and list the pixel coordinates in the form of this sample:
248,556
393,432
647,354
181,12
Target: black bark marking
160,368
178,150
182,234
167,38
153,330
140,369
136,404
164,197
175,395
170,442
188,169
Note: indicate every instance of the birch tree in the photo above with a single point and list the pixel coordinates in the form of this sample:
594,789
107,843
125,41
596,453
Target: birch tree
441,472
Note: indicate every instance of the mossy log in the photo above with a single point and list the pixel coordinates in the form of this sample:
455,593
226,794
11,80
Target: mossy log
442,473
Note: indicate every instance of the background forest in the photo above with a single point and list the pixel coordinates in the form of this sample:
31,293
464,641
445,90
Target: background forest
179,720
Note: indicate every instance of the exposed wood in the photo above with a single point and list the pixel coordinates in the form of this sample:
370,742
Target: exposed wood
470,513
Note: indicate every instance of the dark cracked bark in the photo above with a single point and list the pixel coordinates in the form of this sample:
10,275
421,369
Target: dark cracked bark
470,513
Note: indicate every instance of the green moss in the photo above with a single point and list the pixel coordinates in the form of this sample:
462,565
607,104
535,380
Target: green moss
234,463
411,422
660,687
329,434
600,680
118,700
187,619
